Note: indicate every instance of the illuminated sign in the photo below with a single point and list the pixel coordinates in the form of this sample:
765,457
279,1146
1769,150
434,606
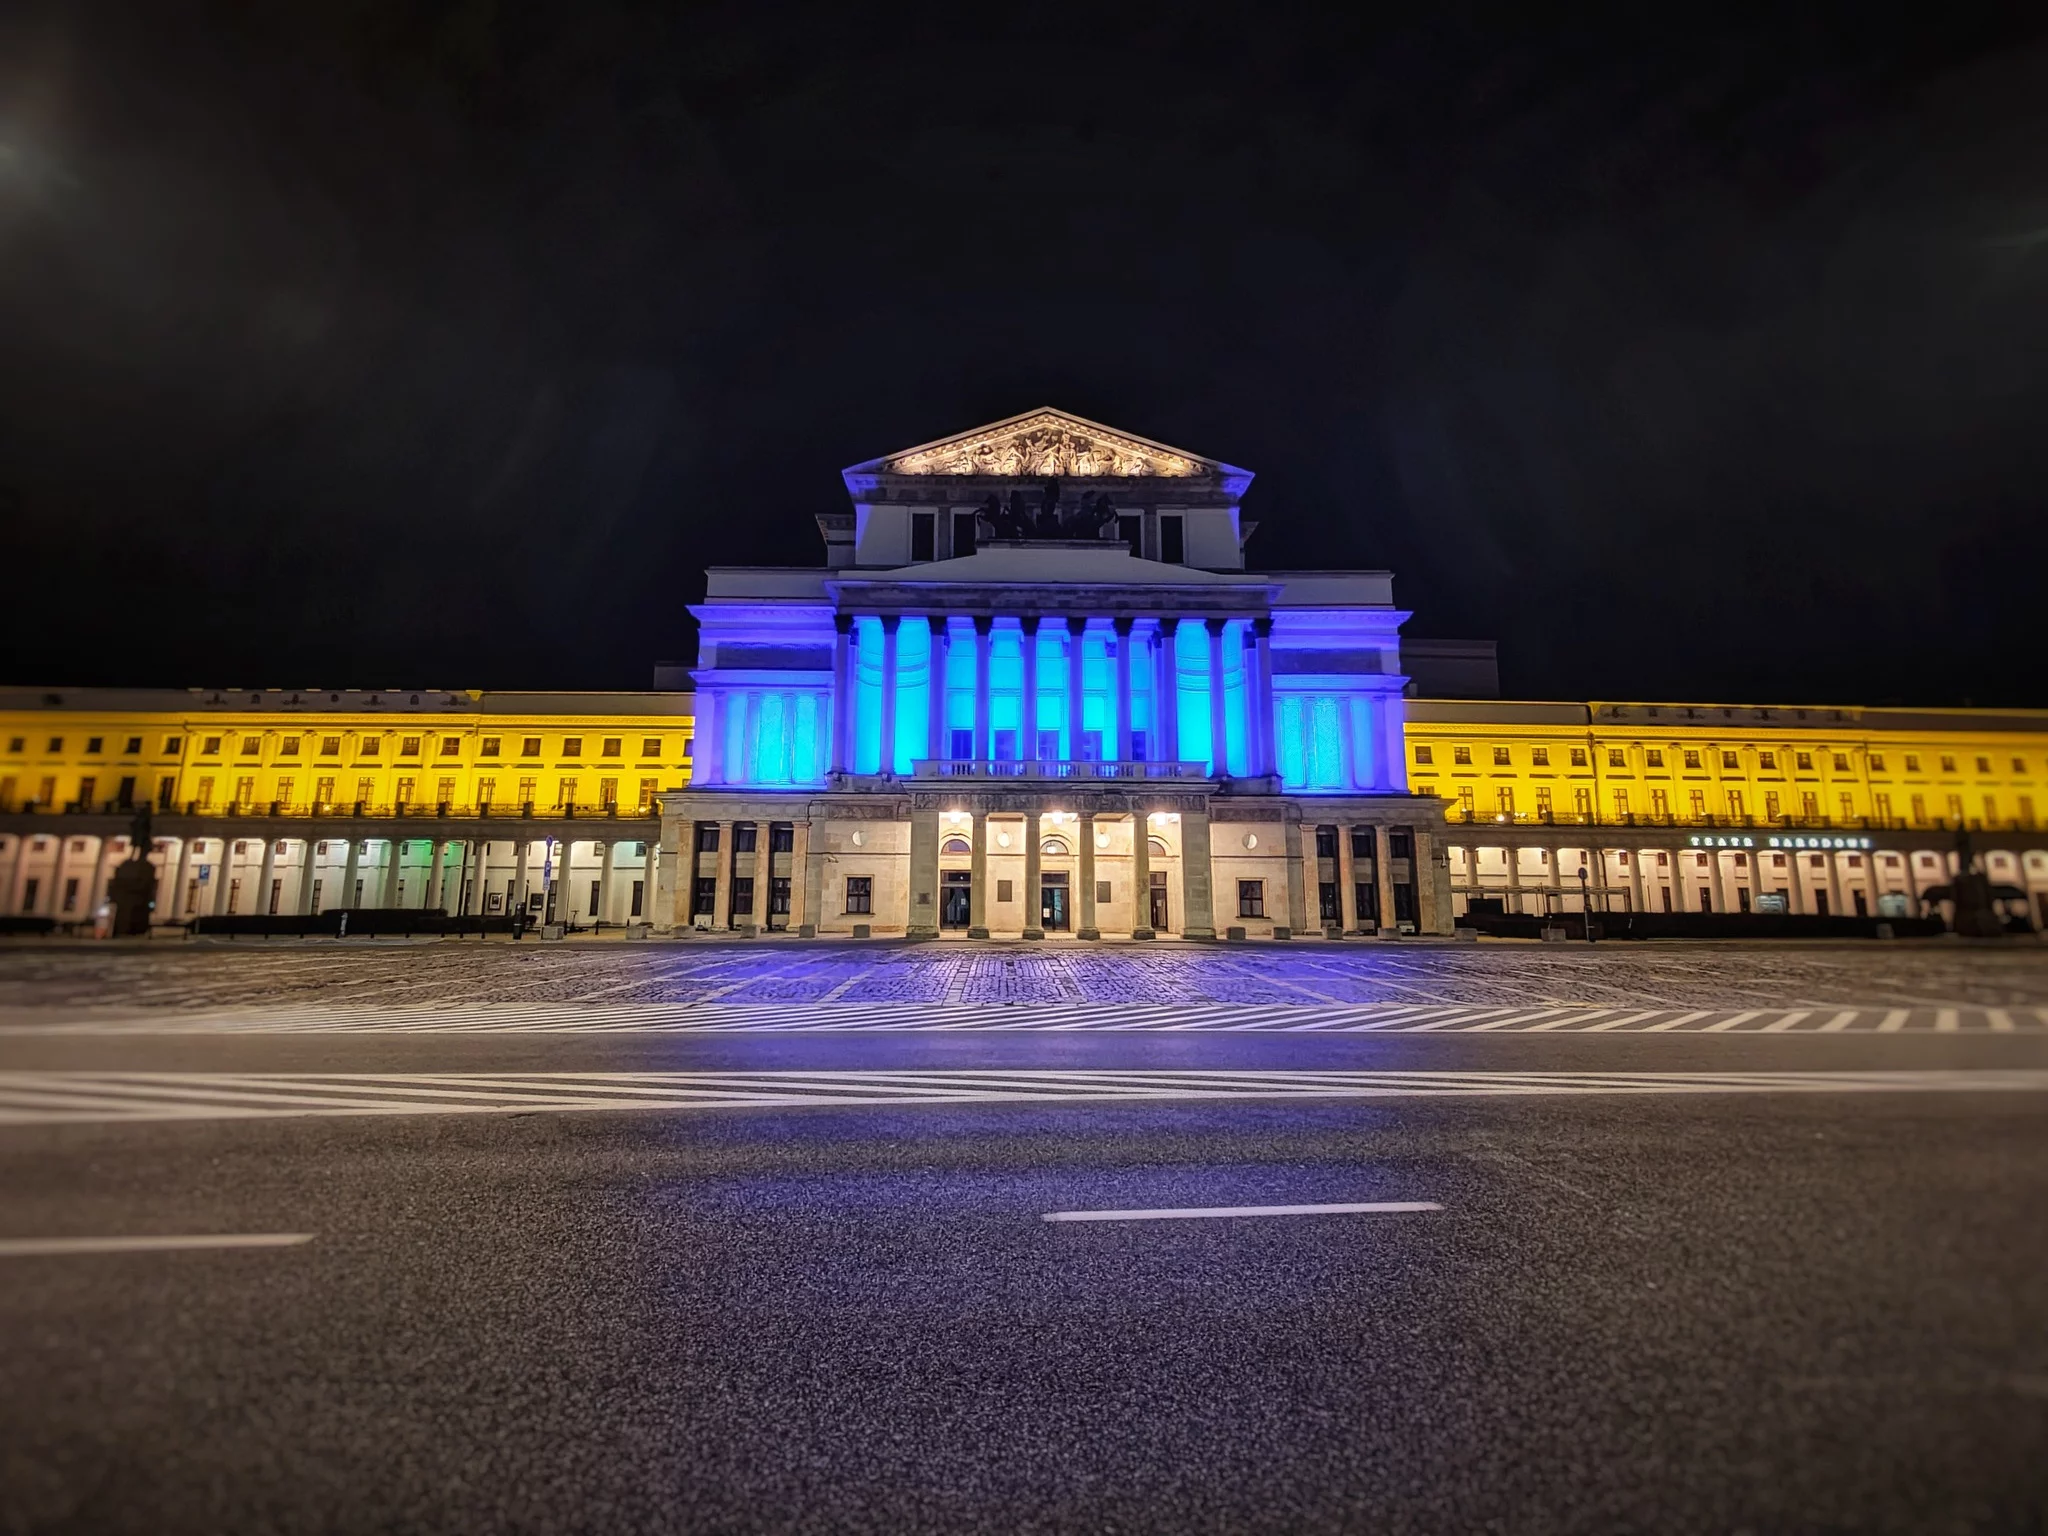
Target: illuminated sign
1698,840
1820,842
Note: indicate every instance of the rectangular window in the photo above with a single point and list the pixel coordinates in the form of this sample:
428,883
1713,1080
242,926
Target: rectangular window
1692,760
1654,757
369,746
1770,805
1504,802
1461,756
1617,758
529,746
1948,765
1955,809
648,789
1582,804
1767,761
1809,805
88,784
1251,898
323,793
1841,762
707,837
251,746
1543,802
1919,803
209,748
924,537
1847,802
1326,901
704,897
289,747
366,791
409,746
527,791
1500,757
330,746
1983,765
444,792
98,744
572,746
2019,764
1326,842
650,746
1803,761
486,791
1730,763
860,895
284,794
1699,804
2027,812
1138,753
1881,807
778,896
611,746
489,746
1539,757
608,794
743,896
1579,757
451,746
1130,529
963,534
1424,755
565,791
1735,805
1173,544
781,837
20,744
963,746
743,836
1467,805
402,794
1660,803
205,794
1912,762
1990,809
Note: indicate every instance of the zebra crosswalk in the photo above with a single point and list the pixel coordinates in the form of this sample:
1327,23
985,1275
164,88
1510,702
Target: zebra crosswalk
717,1018
67,1097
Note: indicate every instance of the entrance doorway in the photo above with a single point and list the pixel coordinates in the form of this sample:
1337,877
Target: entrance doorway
1156,918
1052,905
956,898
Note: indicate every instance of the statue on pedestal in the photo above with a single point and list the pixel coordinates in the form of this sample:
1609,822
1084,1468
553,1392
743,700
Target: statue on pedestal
132,888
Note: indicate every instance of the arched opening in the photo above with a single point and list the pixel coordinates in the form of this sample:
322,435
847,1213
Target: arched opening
956,845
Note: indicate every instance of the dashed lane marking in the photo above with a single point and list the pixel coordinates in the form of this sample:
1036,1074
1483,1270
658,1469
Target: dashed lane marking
52,1098
1211,1212
54,1247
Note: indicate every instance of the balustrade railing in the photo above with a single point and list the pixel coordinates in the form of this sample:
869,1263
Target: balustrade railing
993,768
328,810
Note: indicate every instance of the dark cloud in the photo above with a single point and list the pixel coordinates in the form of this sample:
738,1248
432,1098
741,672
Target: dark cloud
366,342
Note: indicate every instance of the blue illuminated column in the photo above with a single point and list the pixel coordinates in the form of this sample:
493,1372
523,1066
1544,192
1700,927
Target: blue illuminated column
1076,628
1027,709
842,692
1219,739
1259,696
709,747
885,762
1166,693
941,647
983,624
1122,649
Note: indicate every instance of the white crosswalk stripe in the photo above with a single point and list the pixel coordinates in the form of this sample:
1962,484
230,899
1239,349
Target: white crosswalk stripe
46,1098
717,1018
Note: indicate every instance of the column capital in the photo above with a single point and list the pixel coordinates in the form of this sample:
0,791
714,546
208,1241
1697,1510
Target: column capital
843,622
1077,623
1263,627
1215,625
1122,625
890,621
936,623
1169,624
984,623
1028,623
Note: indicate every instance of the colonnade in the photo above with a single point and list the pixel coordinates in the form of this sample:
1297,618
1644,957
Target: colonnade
1686,878
1132,644
206,876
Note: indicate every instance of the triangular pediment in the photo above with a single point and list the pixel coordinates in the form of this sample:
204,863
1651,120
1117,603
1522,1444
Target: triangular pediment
1047,442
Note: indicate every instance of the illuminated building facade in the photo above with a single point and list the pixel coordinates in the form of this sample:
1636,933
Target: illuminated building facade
1010,706
1034,690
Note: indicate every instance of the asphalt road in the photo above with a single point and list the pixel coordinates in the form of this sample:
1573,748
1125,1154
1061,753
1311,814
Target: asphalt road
1749,1309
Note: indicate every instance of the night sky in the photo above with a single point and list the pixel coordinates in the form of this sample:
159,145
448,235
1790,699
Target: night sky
380,344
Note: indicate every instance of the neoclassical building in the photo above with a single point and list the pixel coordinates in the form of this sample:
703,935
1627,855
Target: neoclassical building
1031,688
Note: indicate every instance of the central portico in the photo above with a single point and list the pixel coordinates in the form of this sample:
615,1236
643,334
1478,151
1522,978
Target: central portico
1031,678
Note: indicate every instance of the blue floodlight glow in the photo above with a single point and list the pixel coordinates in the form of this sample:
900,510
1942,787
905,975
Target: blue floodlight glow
867,689
913,692
1235,717
1191,684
